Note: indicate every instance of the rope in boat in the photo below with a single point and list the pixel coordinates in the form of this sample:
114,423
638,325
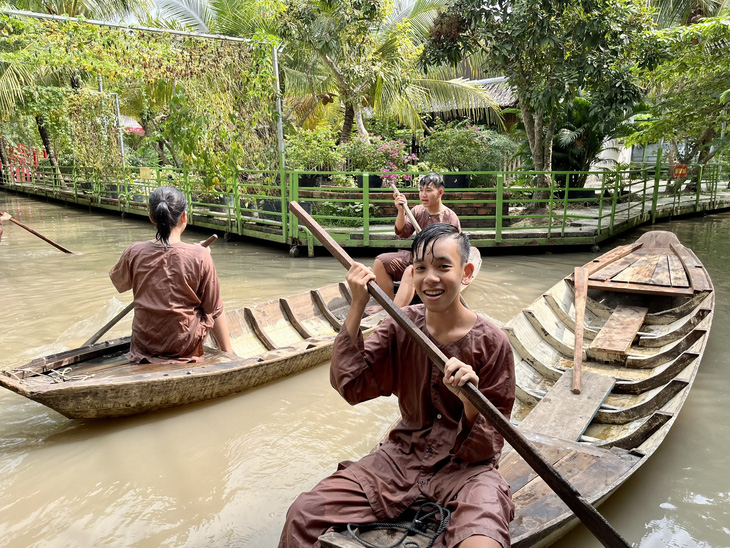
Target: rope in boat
419,526
61,375
55,374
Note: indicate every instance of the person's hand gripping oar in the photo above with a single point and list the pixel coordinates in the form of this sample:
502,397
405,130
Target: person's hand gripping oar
95,337
406,208
590,517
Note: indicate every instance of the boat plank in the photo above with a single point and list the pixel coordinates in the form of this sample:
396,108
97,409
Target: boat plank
590,474
646,289
661,274
677,273
640,272
565,415
615,337
612,256
613,269
692,265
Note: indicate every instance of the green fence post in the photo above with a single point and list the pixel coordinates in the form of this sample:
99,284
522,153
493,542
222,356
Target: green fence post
366,209
293,222
657,175
600,203
699,188
500,204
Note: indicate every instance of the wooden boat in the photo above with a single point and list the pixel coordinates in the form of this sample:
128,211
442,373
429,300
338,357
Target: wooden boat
271,340
648,313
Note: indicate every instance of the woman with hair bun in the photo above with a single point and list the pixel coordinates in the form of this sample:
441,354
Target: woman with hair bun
176,291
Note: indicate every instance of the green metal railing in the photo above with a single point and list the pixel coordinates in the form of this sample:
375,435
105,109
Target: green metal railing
496,209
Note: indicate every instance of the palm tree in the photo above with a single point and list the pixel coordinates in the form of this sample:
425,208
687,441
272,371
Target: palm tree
685,12
331,65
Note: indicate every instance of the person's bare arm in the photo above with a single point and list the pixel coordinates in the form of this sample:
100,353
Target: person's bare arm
406,290
220,332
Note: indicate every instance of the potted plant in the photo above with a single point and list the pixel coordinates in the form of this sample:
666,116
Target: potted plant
312,150
465,147
376,154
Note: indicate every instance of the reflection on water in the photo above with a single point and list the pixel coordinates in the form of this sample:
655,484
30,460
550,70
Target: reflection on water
223,473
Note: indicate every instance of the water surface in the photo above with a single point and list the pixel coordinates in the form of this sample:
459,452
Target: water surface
223,473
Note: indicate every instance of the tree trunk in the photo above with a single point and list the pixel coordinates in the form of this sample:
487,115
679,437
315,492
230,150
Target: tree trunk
5,174
347,123
46,140
361,130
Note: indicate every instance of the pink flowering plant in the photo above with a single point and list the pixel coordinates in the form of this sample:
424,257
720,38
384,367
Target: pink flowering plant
377,155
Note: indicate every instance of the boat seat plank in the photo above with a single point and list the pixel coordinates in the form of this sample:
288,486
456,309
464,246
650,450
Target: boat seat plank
661,274
592,476
615,337
693,266
565,415
612,256
645,289
613,269
640,272
677,273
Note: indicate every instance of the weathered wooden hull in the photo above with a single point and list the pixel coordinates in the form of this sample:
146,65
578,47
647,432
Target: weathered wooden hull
629,399
274,339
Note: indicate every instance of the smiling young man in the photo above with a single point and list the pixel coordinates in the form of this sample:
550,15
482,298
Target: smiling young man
389,267
441,450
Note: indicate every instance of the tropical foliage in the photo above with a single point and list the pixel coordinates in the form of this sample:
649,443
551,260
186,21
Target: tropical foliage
690,91
466,147
201,99
345,60
549,50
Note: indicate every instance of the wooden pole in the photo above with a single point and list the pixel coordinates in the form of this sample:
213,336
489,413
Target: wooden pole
580,281
130,306
590,517
41,236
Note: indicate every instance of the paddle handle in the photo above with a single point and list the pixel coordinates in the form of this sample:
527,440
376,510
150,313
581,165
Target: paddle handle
41,236
580,281
408,211
594,521
95,337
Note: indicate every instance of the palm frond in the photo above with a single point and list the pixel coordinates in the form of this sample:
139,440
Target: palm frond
195,14
12,80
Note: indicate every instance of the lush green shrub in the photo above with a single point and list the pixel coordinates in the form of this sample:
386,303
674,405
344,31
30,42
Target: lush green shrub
466,147
337,211
313,150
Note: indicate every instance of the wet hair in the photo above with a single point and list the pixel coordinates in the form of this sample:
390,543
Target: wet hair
432,233
166,205
433,178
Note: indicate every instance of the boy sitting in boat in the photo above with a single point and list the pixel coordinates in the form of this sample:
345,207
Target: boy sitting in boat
442,450
390,267
176,291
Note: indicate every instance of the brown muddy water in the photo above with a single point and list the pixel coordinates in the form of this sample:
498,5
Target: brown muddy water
223,473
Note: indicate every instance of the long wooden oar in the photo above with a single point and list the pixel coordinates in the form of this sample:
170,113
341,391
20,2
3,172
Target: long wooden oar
408,211
580,281
130,306
594,521
41,236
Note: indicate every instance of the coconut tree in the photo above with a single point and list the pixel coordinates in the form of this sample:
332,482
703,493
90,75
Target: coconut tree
345,56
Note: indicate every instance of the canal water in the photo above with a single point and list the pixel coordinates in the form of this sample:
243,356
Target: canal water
223,473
